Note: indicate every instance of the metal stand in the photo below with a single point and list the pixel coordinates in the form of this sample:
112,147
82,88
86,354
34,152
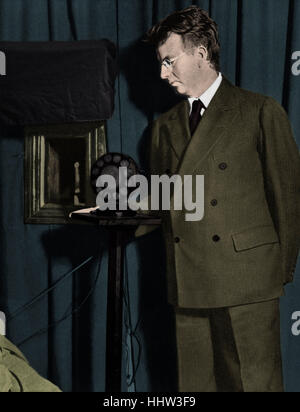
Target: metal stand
118,228
114,315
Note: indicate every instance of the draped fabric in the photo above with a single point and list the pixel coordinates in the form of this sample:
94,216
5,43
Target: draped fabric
63,332
59,82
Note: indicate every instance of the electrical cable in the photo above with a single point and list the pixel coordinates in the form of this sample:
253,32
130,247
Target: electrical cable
128,345
129,330
46,291
128,341
77,309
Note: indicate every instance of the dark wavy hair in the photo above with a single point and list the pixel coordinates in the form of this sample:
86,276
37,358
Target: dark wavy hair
196,28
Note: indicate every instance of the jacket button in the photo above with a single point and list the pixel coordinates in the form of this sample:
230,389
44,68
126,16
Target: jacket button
223,166
216,238
214,202
177,240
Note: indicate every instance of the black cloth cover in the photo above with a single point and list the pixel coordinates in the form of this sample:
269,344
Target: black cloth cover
57,82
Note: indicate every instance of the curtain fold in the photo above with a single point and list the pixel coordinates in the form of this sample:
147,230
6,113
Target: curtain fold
257,41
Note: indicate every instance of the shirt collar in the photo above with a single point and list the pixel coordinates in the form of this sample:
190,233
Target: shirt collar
208,95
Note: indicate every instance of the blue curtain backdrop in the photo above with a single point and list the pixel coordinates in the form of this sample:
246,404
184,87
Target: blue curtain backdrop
258,38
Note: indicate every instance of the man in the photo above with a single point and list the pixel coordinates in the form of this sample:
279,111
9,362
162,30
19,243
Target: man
227,271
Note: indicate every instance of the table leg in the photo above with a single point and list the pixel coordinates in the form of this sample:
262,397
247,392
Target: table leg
114,312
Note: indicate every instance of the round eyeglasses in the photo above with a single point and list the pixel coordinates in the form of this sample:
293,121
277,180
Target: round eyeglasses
168,63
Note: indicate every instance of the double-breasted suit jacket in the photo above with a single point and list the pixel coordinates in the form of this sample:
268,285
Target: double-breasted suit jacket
246,246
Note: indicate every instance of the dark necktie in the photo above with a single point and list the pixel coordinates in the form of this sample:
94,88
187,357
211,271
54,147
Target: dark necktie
195,116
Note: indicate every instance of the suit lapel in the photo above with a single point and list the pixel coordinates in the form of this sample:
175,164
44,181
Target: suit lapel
214,125
179,129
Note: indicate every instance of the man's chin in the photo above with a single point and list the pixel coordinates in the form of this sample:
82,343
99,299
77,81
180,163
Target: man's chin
178,89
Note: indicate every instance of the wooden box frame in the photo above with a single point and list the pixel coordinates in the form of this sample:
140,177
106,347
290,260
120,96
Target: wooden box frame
50,151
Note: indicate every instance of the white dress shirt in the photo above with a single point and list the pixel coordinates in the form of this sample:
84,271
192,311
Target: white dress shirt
207,96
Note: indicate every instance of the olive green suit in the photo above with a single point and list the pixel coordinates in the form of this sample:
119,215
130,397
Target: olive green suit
245,248
16,375
245,149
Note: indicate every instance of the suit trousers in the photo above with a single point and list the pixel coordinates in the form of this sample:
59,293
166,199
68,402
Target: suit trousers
235,349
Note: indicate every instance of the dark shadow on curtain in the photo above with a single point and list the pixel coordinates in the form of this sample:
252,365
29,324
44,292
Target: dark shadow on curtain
157,320
157,316
289,42
239,44
72,20
14,133
79,242
147,91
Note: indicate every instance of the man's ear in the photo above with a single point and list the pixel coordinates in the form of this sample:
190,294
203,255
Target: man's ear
202,52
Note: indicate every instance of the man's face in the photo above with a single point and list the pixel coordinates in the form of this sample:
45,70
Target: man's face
184,74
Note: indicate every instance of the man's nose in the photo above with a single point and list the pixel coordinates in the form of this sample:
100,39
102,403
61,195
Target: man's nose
164,72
